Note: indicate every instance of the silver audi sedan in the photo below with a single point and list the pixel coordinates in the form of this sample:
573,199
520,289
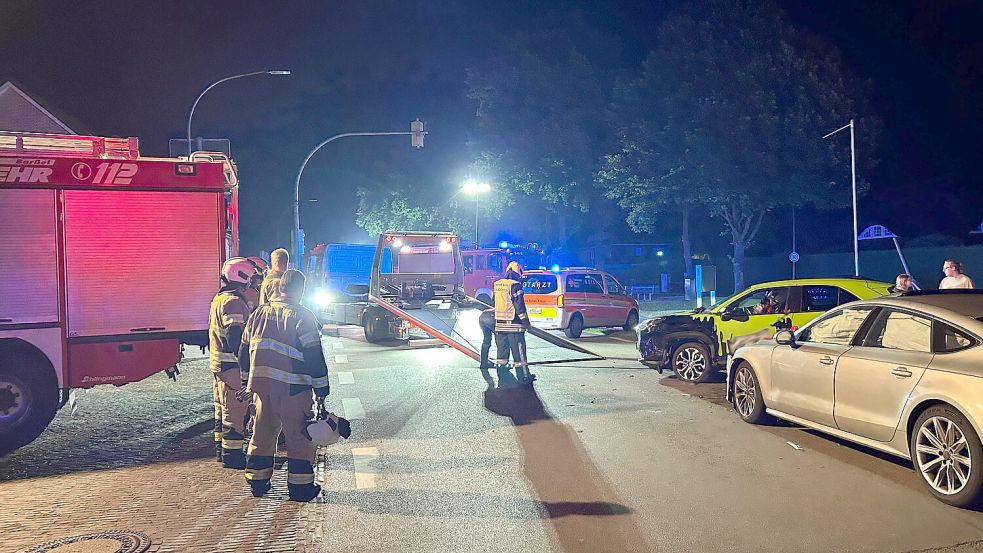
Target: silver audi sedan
901,374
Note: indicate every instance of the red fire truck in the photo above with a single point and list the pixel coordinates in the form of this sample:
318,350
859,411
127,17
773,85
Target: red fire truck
108,263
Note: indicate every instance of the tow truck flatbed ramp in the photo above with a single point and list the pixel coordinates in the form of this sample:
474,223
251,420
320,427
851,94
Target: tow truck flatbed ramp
457,326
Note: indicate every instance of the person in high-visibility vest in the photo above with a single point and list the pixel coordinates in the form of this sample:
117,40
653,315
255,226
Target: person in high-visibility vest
282,363
511,322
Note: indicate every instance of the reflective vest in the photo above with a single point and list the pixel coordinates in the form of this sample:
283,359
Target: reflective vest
226,319
510,306
281,351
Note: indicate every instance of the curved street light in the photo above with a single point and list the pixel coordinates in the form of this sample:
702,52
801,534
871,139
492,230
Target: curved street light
220,81
417,133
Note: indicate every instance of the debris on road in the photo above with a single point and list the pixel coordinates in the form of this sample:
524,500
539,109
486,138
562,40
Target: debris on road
796,446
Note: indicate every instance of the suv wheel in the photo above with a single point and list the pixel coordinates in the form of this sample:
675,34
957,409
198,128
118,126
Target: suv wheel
575,327
691,362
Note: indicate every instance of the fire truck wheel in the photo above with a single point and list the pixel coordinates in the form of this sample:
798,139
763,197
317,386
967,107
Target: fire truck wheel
375,328
28,396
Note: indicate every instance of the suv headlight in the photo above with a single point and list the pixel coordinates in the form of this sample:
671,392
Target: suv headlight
649,324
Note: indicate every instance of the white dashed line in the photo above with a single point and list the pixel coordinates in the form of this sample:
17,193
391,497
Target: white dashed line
365,476
352,406
341,358
346,378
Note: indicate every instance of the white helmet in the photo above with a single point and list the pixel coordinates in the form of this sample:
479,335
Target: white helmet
238,270
328,431
259,262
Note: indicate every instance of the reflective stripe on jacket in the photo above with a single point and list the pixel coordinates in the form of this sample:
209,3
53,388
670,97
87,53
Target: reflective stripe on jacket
226,319
510,306
281,351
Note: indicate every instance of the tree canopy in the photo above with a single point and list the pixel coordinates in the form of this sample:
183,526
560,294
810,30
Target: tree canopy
727,115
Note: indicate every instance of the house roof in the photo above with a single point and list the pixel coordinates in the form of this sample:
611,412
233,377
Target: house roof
21,110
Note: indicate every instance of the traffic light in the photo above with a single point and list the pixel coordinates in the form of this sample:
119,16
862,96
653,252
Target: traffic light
417,128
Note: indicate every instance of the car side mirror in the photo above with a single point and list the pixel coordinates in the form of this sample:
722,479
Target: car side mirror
785,338
733,316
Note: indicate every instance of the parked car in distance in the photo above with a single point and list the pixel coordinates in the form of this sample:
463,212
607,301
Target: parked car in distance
696,343
576,298
902,375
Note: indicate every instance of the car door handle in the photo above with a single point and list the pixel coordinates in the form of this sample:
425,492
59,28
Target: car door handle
826,360
901,372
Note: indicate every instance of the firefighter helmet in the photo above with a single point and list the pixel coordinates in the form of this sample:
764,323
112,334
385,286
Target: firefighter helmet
514,267
259,262
327,431
238,270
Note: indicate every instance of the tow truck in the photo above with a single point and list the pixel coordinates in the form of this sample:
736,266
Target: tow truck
417,286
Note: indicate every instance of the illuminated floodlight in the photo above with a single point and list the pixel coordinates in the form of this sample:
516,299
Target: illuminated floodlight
503,244
444,246
555,268
323,298
405,249
474,187
660,253
397,243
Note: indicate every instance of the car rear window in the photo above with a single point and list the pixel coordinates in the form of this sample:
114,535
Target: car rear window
539,284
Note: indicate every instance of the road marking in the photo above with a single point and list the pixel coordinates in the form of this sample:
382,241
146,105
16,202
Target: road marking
365,476
337,345
341,358
622,339
352,406
346,378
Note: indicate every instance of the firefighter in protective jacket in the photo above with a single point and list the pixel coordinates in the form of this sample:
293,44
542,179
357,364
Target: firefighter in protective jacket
511,322
282,363
226,319
270,288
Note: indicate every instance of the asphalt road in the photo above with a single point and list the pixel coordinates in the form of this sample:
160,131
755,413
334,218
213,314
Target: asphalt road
598,456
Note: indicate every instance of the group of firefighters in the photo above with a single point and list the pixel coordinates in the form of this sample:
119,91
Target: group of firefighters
267,363
265,352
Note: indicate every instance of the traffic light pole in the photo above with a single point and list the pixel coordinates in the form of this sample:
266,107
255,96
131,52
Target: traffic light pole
416,131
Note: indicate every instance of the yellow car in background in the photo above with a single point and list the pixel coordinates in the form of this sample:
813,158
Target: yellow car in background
696,344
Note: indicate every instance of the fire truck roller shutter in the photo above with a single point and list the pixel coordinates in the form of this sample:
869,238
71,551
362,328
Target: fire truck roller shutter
28,257
130,254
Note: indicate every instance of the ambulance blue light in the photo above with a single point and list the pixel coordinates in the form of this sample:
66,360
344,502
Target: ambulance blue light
503,244
660,253
555,268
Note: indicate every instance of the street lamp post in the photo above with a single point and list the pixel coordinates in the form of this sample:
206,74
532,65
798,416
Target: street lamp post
416,131
220,81
475,188
853,174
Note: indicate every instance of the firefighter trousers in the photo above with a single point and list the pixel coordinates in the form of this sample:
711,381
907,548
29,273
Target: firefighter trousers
514,343
217,400
289,413
233,416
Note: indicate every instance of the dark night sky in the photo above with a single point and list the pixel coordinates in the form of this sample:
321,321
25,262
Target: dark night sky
133,69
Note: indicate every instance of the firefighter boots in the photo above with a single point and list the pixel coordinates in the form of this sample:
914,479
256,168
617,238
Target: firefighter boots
303,492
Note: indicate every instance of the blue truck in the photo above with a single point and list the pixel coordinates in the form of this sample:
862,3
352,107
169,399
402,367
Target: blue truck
332,268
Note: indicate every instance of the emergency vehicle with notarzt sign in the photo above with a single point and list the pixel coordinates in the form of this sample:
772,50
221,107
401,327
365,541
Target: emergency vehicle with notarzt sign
108,264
